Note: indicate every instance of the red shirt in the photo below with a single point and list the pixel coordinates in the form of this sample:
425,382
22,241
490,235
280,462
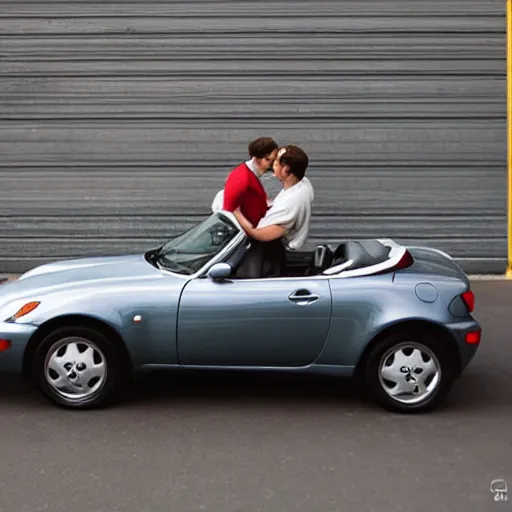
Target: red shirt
243,189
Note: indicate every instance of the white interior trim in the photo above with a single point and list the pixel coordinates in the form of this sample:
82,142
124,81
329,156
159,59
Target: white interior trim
337,268
395,255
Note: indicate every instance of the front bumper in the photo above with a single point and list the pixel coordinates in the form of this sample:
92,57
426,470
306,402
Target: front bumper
11,360
466,350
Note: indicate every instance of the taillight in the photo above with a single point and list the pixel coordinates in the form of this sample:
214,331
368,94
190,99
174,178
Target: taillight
469,300
5,345
473,337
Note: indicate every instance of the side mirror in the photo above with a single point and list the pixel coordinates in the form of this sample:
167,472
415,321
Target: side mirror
219,271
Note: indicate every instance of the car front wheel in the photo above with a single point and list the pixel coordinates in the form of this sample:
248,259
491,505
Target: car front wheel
79,368
410,374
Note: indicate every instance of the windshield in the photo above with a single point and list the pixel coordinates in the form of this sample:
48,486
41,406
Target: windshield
188,252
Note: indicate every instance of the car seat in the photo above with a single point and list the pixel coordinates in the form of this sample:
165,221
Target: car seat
323,257
364,253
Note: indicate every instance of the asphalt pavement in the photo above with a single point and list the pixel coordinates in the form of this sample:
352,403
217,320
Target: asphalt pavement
228,443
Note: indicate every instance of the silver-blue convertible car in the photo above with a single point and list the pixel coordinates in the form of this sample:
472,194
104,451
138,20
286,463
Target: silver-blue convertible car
398,319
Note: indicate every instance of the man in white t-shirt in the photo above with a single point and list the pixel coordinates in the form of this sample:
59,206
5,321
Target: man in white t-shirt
286,224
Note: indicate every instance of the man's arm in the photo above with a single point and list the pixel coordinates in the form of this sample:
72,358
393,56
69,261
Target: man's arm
266,234
234,190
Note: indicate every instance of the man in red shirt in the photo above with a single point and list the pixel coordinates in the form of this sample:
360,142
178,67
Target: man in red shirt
243,188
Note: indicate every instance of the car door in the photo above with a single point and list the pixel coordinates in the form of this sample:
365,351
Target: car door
261,322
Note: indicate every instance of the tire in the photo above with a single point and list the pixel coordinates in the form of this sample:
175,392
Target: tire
434,367
93,378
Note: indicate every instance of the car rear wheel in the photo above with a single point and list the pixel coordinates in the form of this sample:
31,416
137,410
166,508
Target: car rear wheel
410,374
79,367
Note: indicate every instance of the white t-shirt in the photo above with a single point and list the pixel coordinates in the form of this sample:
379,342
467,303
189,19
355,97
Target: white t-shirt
218,201
292,210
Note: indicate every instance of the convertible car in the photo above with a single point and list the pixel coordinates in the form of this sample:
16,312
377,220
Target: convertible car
398,319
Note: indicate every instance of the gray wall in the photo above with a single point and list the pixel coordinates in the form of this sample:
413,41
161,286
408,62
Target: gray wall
119,122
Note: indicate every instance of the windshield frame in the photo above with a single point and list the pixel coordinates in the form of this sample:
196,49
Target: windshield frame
239,238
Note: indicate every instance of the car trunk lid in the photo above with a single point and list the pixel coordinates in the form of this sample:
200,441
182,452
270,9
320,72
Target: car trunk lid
433,262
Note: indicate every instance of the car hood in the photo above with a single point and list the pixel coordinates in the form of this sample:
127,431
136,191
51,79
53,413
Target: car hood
79,273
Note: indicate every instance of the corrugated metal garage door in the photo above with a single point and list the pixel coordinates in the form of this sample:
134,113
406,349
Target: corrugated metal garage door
119,121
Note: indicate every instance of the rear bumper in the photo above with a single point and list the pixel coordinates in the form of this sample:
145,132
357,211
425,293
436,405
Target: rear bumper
11,360
466,350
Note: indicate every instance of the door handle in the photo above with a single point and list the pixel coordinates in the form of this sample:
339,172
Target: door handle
303,297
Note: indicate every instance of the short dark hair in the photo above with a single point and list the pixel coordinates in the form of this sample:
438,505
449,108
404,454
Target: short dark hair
262,147
296,159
